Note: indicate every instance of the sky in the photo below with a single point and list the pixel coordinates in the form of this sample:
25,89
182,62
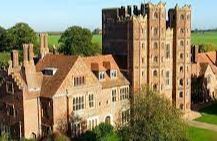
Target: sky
57,15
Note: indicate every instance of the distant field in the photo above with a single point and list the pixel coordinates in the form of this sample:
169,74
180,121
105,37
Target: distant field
197,134
53,39
207,39
97,39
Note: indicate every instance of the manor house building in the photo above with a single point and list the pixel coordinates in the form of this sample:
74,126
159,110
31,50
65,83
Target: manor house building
151,48
60,93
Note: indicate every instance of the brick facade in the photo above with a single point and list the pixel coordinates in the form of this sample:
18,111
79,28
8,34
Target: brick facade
147,48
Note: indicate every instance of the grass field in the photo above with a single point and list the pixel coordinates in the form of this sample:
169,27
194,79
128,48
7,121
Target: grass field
207,39
209,114
197,134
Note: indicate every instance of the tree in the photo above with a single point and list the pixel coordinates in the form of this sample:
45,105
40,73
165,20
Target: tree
77,41
2,30
16,36
153,118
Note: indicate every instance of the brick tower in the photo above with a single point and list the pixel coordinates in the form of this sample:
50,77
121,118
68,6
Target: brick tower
151,50
180,21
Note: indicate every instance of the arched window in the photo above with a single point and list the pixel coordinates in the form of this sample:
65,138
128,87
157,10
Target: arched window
182,17
108,120
181,82
155,15
181,43
168,51
155,59
155,45
155,73
155,31
181,55
181,106
181,69
181,94
182,30
155,87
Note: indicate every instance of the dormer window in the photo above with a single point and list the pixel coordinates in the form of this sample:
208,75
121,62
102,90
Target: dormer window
49,71
113,74
101,75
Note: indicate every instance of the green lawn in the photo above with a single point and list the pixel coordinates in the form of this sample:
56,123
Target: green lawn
97,39
197,134
53,39
207,39
209,114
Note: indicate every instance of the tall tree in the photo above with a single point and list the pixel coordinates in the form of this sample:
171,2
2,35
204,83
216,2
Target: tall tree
153,118
77,41
14,37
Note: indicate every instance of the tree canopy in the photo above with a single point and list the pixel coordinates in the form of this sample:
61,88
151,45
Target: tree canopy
78,41
14,37
153,118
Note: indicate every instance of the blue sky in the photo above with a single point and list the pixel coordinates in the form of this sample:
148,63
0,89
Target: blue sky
57,15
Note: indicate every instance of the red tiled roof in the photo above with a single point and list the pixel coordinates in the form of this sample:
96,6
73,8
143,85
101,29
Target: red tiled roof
104,63
63,64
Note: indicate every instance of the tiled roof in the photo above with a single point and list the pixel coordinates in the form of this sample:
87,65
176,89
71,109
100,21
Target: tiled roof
208,57
205,59
105,63
63,64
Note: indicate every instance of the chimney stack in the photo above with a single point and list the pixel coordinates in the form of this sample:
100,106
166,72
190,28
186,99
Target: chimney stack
25,54
15,58
31,53
44,44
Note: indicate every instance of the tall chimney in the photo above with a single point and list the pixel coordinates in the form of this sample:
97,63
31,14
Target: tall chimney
41,40
15,58
31,53
46,41
25,54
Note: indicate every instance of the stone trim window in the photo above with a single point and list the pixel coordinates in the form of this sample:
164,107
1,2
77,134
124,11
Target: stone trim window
181,43
113,74
181,56
155,45
10,110
181,106
155,31
167,51
155,87
182,17
92,123
155,59
155,73
78,81
78,103
9,87
77,128
114,95
168,78
155,15
101,75
181,69
125,116
181,94
181,83
91,100
124,93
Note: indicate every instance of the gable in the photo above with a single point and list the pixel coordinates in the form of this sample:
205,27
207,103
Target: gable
79,69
